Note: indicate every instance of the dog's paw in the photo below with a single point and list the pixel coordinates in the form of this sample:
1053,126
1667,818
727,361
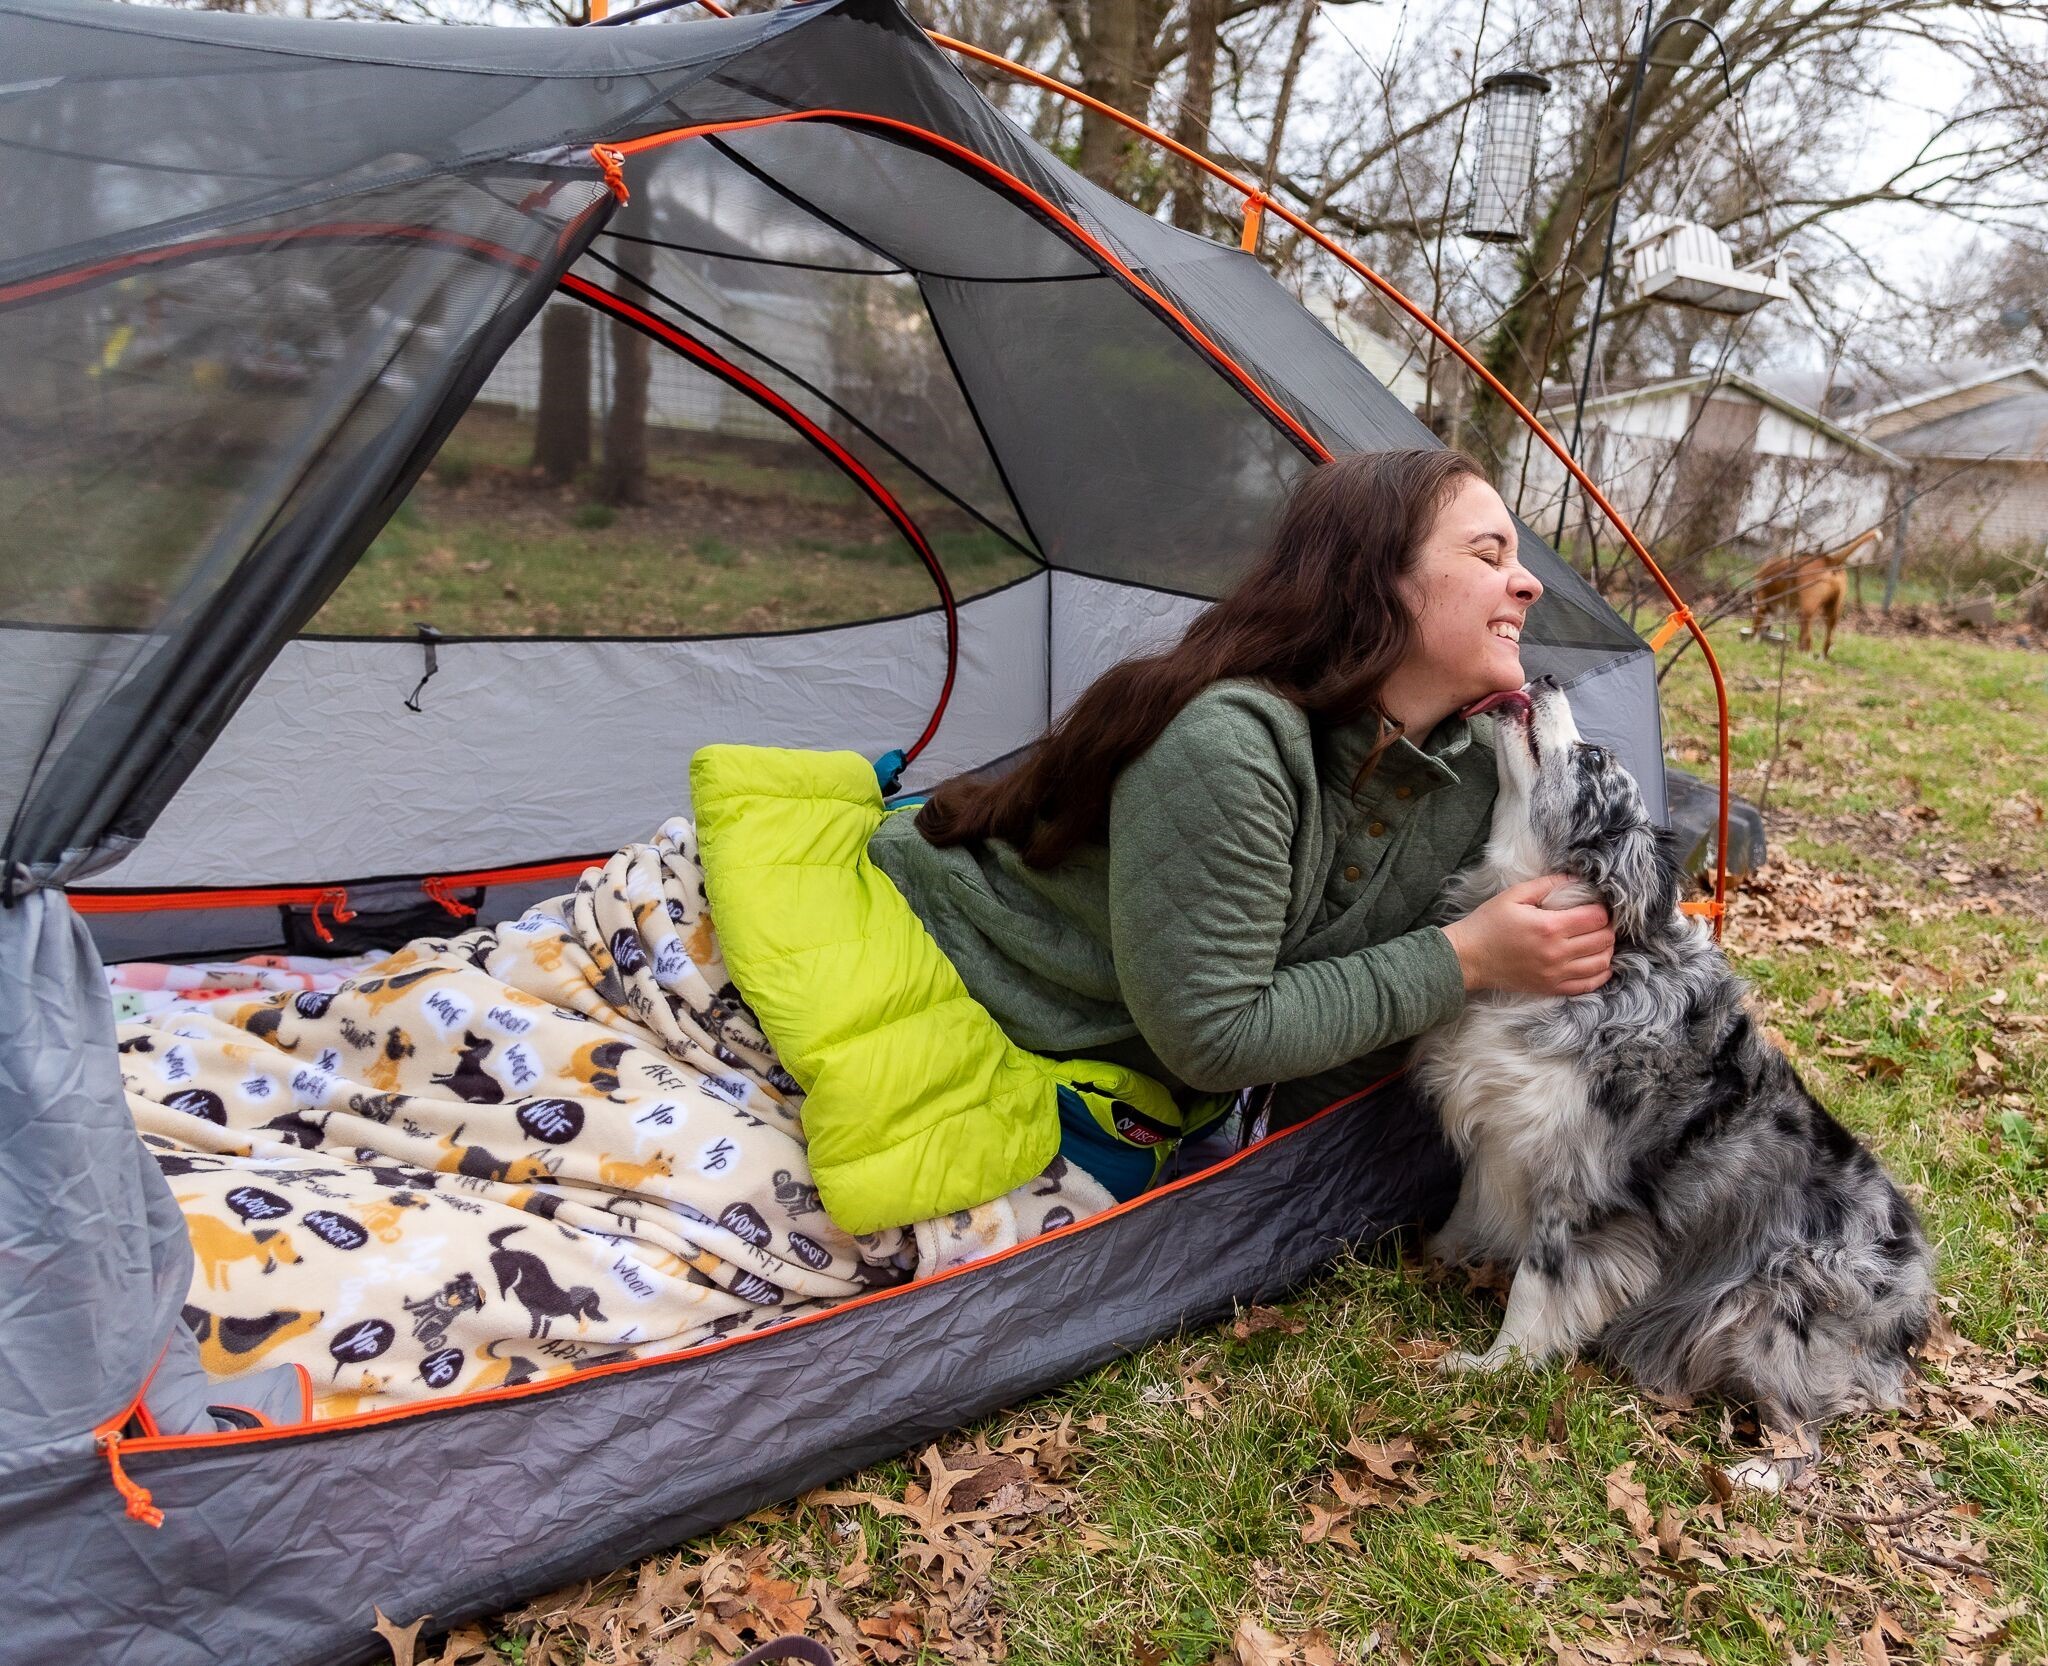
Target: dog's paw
1768,1475
1446,1248
1461,1364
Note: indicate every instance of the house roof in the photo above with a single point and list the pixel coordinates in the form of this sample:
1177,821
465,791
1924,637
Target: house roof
1903,389
2013,430
1858,394
1625,391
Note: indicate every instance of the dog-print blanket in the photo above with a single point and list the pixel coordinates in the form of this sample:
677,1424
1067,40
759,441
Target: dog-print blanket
507,1155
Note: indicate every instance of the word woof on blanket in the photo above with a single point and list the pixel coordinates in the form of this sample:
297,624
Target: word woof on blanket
504,1156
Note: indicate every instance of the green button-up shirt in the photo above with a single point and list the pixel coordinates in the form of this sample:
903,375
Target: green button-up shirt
1247,921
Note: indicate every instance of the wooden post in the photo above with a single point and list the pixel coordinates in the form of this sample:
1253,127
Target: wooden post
1891,577
622,470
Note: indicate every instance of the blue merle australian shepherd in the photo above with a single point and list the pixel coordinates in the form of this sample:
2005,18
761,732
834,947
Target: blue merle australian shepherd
1666,1190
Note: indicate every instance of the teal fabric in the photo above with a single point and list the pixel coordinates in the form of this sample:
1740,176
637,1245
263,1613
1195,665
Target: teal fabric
1247,920
1124,1170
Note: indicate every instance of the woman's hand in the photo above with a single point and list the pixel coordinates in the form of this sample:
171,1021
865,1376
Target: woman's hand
1512,942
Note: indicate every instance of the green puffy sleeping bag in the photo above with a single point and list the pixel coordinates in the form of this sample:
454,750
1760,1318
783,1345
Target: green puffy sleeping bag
916,1103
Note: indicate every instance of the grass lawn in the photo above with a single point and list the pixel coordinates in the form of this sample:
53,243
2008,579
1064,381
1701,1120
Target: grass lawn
1300,1486
733,536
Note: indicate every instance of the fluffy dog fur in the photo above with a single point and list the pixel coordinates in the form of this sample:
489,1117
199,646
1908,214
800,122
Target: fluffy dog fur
1665,1187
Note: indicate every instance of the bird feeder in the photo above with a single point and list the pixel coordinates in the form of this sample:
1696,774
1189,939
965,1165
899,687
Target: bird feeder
1511,107
1687,264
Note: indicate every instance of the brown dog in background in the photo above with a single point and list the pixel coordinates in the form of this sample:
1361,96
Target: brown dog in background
1818,584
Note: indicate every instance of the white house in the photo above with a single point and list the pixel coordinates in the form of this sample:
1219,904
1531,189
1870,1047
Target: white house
1711,461
680,396
1977,437
1395,366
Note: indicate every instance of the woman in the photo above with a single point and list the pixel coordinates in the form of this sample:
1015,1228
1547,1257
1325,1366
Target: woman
1217,867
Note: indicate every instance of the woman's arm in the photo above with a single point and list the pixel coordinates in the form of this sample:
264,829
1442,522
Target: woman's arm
1201,872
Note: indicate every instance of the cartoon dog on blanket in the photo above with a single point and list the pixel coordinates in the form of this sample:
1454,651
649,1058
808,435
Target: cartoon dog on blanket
1666,1189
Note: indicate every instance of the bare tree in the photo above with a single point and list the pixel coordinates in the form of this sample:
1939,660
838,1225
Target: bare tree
561,424
622,468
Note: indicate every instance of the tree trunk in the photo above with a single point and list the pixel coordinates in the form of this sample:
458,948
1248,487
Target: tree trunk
1108,52
561,423
1197,104
622,476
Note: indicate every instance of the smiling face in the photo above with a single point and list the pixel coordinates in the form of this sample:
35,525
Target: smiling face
1470,594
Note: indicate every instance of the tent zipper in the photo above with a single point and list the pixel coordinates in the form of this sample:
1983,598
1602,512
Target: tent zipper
141,1506
438,888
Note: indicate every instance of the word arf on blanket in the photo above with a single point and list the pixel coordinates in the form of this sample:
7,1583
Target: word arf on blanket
504,1156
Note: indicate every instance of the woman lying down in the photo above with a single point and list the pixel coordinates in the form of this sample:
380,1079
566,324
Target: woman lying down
568,1140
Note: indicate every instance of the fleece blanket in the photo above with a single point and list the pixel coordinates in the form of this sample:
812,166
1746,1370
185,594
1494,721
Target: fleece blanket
506,1155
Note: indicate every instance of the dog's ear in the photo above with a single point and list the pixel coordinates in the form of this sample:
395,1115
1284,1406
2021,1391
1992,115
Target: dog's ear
1641,883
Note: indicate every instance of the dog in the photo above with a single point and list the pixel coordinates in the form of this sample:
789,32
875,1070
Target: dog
432,1314
525,1275
1816,584
1667,1191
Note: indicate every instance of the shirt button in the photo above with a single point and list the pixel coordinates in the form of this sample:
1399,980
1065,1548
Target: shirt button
1377,829
1404,792
1351,873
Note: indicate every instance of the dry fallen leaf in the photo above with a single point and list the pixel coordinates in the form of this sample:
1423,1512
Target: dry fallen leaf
401,1639
1628,1496
893,1632
1384,1458
775,1602
1323,1525
1750,1541
1254,1645
1052,1448
1509,1567
466,1647
1255,1320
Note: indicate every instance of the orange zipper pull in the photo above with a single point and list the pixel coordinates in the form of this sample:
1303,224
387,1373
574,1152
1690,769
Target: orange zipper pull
442,890
141,1507
613,163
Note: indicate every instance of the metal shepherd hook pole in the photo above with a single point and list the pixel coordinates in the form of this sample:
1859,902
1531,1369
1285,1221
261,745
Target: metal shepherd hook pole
1635,92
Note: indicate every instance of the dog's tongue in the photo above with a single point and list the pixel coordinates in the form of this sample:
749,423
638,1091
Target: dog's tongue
1493,702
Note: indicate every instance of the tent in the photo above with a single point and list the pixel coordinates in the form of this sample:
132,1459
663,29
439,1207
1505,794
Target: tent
260,270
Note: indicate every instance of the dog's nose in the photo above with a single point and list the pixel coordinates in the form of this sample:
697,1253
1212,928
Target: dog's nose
1548,680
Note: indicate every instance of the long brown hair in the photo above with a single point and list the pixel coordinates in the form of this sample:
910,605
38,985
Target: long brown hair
1319,620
